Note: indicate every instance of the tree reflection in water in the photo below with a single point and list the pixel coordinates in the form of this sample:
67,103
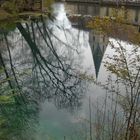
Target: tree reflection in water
33,69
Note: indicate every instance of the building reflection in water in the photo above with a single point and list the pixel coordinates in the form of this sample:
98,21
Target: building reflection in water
43,58
98,44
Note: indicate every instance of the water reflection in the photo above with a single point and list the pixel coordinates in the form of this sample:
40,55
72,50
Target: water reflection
40,60
98,43
18,121
47,73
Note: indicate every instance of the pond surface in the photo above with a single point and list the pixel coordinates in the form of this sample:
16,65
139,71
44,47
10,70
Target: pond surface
49,69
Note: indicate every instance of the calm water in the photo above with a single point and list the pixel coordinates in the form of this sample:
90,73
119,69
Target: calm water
46,64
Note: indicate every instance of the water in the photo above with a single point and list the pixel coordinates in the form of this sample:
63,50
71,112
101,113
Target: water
51,67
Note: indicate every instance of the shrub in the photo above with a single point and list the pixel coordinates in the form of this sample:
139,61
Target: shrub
10,7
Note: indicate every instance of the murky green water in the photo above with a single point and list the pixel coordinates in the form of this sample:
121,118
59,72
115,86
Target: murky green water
48,71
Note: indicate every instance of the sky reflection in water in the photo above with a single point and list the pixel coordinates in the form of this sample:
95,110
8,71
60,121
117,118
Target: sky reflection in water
49,57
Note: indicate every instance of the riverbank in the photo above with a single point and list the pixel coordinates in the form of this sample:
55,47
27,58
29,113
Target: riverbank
13,11
8,20
25,14
5,15
107,3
